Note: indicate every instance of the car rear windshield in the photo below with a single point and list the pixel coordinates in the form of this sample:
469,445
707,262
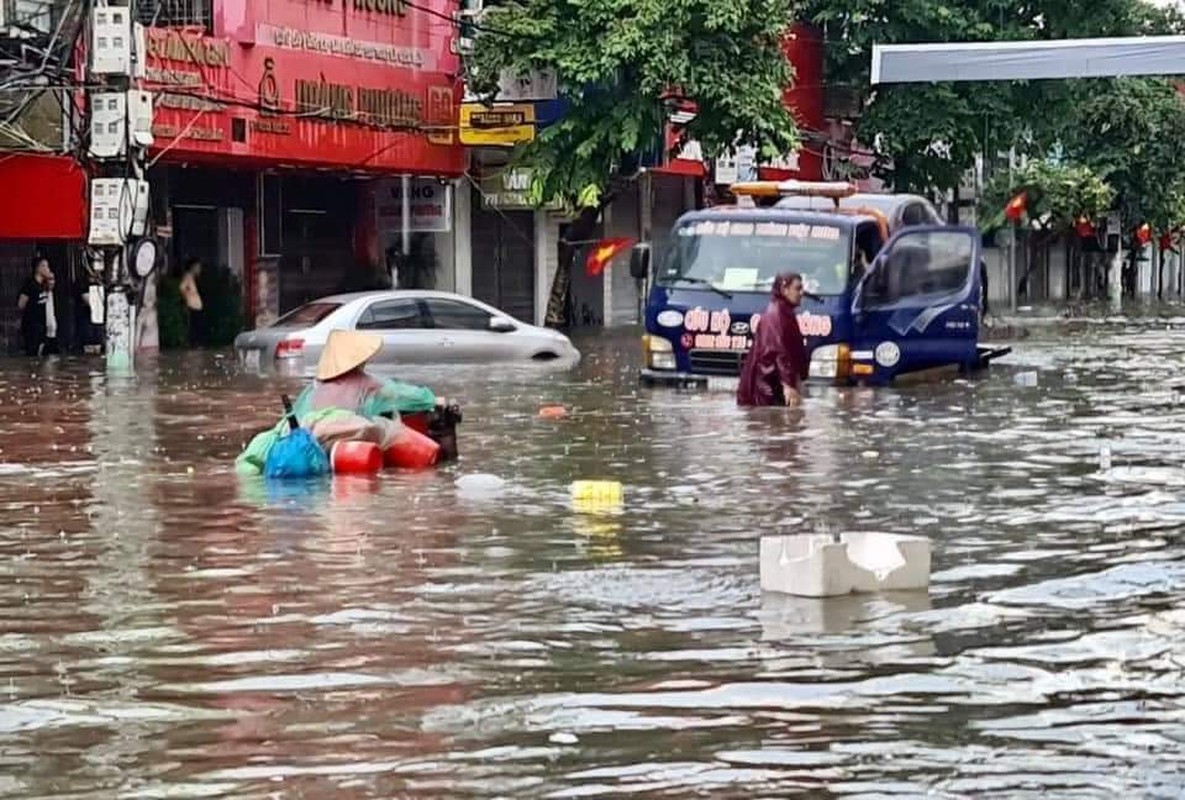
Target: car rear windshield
306,316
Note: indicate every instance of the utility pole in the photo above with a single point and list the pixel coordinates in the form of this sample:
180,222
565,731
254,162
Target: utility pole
1114,239
120,129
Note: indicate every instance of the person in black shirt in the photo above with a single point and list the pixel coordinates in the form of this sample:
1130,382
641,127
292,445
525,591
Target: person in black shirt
39,323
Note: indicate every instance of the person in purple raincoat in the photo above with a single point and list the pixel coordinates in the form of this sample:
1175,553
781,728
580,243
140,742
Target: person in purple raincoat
778,363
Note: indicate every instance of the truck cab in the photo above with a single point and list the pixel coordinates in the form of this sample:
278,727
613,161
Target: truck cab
886,297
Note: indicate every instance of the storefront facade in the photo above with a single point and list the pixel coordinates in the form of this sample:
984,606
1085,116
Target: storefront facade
42,213
280,132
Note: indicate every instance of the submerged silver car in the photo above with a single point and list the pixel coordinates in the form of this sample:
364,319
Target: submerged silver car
418,327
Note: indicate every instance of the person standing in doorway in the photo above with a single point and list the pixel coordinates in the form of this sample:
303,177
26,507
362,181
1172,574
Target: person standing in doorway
193,302
778,362
39,321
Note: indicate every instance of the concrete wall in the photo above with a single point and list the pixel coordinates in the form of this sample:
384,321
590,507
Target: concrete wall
462,242
622,218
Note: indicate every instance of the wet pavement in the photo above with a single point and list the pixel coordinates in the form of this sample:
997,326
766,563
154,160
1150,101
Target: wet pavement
169,630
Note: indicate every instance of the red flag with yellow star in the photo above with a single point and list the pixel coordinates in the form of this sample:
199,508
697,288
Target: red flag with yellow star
603,252
1016,207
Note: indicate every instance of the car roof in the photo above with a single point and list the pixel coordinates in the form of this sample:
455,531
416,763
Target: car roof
805,215
394,294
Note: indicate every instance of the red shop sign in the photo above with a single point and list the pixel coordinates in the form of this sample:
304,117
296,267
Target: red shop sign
366,85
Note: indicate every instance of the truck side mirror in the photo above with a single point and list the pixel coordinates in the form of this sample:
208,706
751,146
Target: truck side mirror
640,261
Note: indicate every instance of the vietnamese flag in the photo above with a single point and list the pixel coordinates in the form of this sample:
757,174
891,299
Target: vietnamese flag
1016,207
603,252
1144,234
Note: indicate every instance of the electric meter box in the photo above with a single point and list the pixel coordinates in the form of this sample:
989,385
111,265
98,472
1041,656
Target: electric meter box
111,40
140,51
140,115
110,114
119,209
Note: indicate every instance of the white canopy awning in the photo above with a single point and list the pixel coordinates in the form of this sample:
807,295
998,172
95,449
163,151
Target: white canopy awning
1029,60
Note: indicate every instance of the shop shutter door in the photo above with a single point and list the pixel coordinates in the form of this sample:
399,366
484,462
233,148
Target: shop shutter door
517,268
504,259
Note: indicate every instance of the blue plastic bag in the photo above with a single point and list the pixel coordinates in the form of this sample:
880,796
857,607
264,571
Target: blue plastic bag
297,454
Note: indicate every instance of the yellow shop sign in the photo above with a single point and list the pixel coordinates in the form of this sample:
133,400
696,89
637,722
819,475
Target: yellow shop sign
497,125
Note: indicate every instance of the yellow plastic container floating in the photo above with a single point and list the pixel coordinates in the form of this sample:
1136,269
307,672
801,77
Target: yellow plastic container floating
597,497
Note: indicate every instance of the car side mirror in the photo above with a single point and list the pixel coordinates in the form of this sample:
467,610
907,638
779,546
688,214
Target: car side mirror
502,325
640,261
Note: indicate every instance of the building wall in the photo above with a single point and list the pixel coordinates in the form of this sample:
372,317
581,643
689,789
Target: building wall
622,219
547,259
463,242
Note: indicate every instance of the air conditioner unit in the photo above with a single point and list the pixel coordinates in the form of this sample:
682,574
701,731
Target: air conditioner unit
111,40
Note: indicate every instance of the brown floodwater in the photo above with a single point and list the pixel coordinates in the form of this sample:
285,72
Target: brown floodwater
169,630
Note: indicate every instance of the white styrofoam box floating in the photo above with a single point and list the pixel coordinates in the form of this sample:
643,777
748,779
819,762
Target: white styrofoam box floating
111,40
118,209
109,114
819,565
480,485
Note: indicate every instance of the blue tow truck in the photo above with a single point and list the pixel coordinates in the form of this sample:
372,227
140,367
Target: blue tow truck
893,292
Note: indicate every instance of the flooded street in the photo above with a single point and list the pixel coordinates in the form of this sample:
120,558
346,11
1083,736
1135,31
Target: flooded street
171,630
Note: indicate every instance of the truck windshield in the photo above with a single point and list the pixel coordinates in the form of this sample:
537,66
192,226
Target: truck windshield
746,256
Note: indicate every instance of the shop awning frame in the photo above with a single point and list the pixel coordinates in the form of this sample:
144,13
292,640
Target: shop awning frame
1028,60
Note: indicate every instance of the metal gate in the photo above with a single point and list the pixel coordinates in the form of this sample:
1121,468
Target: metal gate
504,259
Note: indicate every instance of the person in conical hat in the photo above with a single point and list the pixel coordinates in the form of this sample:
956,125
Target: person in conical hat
346,351
345,402
342,383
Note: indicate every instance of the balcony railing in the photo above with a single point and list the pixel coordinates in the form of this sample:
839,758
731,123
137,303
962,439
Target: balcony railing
177,13
30,18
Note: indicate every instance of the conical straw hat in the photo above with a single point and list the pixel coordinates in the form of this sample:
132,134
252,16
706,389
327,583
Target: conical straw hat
345,351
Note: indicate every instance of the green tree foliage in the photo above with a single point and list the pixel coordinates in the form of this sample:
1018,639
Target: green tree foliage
616,61
1131,132
928,135
1056,195
171,315
222,299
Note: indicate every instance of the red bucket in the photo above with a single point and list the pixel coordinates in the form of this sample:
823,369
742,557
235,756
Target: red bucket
418,422
356,458
412,450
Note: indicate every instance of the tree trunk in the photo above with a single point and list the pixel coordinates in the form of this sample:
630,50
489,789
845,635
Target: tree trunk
579,232
561,286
